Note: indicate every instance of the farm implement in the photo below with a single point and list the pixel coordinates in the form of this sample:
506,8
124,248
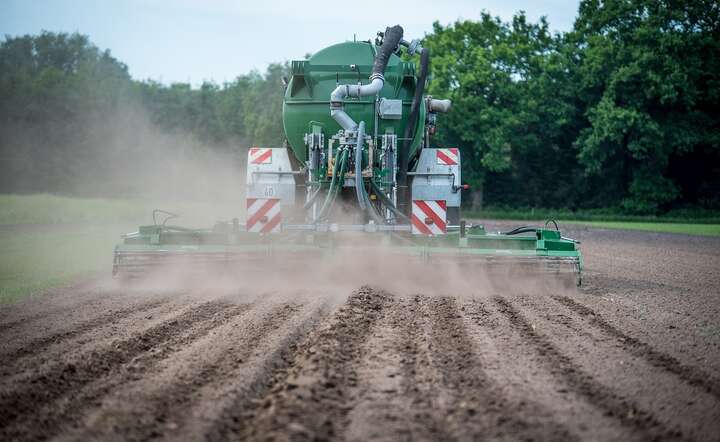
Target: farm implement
358,175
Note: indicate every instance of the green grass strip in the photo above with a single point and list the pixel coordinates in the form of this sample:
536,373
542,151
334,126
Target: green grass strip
31,263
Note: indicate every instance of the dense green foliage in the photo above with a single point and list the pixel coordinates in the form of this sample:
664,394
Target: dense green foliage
621,112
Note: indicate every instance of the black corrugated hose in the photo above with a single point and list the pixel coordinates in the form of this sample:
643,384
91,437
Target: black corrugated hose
404,154
391,40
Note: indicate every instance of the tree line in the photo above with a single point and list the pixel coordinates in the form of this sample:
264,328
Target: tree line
622,111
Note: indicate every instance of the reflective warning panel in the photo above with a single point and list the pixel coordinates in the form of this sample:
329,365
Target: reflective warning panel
429,217
260,155
447,157
263,215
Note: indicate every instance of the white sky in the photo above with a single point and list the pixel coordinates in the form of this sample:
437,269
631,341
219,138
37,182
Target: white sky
196,40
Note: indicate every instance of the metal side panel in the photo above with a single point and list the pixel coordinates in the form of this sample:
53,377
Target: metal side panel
270,175
437,176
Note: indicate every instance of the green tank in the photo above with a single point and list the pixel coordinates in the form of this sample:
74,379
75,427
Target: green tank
307,97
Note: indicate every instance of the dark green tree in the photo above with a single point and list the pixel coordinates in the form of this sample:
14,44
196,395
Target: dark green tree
511,108
648,76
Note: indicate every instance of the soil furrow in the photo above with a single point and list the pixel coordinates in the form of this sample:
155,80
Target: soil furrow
390,405
418,380
68,378
532,389
41,345
56,302
689,409
240,395
581,382
475,407
156,403
661,360
633,356
313,401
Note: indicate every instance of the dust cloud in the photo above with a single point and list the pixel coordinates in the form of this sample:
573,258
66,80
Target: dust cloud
131,157
173,169
124,154
289,277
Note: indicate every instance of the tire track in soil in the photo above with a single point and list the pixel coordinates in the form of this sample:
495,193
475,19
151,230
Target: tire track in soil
643,423
663,361
61,389
473,405
393,403
313,400
515,366
41,345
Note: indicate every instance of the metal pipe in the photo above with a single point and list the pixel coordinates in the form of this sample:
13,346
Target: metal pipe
442,106
357,90
342,118
392,38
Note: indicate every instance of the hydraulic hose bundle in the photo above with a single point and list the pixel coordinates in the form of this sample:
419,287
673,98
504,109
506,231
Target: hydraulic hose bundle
335,184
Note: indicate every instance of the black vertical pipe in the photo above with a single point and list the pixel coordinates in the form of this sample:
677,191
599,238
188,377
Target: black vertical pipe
404,153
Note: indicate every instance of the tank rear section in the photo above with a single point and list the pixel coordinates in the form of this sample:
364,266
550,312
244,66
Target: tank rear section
305,105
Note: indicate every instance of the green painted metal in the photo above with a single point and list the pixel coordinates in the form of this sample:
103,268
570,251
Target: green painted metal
307,97
222,243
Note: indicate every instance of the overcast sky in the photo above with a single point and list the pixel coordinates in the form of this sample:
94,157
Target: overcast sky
196,40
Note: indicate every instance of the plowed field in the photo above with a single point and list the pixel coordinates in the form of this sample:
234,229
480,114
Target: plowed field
632,355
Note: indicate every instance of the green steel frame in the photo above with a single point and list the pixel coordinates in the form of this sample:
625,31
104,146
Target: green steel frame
159,244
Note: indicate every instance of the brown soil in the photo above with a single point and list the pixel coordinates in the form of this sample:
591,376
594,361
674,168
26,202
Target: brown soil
633,355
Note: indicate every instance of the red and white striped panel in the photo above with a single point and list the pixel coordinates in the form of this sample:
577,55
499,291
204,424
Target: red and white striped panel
447,157
260,155
429,217
263,215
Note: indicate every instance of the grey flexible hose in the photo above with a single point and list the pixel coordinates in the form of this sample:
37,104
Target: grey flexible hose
358,166
329,199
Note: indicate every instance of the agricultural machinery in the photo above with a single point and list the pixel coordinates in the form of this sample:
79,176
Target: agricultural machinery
358,172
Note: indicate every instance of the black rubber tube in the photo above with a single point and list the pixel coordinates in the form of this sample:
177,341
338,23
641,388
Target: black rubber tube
404,153
391,40
518,230
385,200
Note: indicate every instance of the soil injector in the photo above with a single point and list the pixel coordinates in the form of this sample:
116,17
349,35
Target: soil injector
359,173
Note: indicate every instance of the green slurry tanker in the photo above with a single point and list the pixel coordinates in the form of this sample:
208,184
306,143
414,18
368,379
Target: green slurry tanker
359,173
